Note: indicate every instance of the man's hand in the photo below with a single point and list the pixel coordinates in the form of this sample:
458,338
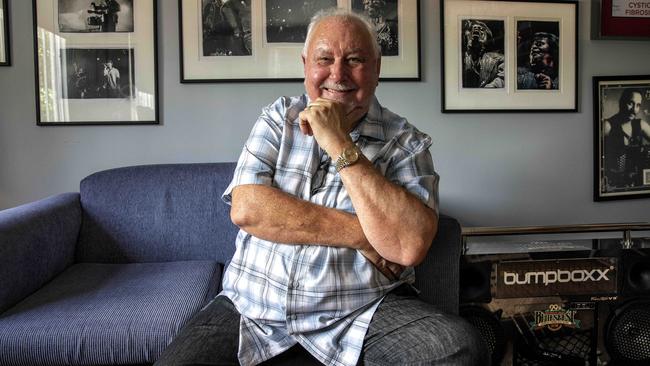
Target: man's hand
544,81
328,122
389,269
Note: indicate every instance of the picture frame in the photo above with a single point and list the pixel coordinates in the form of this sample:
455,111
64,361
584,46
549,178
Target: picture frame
96,64
528,63
5,49
265,40
620,20
621,137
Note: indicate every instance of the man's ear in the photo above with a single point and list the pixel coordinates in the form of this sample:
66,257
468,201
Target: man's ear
304,60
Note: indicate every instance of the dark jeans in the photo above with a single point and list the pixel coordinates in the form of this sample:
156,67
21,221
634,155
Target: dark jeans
403,331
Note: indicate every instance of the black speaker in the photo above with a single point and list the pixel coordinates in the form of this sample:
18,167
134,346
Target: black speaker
635,272
475,281
627,333
490,328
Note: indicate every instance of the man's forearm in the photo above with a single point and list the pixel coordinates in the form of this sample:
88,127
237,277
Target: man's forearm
395,222
273,215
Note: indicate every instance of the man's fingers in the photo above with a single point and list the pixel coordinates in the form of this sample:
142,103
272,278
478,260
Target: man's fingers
313,105
389,269
396,269
305,128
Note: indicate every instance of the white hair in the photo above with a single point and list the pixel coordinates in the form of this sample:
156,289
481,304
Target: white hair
344,15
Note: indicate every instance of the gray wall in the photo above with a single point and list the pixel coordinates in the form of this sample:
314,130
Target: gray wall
496,169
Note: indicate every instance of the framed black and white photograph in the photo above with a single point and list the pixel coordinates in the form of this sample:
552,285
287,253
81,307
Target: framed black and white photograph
383,14
482,51
226,30
509,56
621,137
287,20
5,60
95,72
262,40
83,16
538,55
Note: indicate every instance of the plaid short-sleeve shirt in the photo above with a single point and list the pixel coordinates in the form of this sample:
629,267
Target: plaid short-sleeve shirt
318,296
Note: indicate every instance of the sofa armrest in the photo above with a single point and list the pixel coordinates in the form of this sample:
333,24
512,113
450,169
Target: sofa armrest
437,276
37,242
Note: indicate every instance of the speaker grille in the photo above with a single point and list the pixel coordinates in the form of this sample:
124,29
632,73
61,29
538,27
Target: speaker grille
577,344
490,328
627,336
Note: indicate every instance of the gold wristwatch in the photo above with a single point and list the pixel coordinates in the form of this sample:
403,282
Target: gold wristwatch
349,156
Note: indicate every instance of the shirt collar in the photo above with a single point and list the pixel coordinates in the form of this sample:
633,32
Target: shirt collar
371,124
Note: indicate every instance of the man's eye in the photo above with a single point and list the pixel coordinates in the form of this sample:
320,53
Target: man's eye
355,60
324,60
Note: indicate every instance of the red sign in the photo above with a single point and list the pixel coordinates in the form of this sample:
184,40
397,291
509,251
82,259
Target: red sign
622,18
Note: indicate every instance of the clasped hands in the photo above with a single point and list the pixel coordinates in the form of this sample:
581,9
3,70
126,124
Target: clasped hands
329,122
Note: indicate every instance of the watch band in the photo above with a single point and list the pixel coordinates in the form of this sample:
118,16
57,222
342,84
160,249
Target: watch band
341,163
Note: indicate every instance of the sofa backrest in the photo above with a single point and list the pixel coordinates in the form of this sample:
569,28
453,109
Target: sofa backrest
156,213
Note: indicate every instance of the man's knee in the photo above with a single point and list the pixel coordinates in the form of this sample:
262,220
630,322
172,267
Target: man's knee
211,337
453,341
440,339
470,347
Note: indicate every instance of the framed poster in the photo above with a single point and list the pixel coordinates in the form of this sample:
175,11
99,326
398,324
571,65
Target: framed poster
5,60
262,40
621,137
620,19
509,56
96,62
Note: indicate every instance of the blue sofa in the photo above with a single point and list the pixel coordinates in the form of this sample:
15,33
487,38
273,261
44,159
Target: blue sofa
110,274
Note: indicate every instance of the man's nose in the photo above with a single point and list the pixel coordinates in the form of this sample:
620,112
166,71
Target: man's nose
338,70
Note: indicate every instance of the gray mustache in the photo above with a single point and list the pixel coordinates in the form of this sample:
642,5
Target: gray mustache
338,87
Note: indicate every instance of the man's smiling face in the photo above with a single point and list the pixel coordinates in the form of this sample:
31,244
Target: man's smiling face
341,64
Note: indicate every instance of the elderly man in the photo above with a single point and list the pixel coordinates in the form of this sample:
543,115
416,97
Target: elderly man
336,200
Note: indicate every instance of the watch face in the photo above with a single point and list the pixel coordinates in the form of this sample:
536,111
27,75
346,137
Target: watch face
351,154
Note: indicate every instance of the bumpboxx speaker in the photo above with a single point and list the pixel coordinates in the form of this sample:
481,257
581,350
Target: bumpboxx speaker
564,307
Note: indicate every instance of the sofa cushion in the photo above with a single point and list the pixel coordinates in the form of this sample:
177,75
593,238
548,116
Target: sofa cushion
106,313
